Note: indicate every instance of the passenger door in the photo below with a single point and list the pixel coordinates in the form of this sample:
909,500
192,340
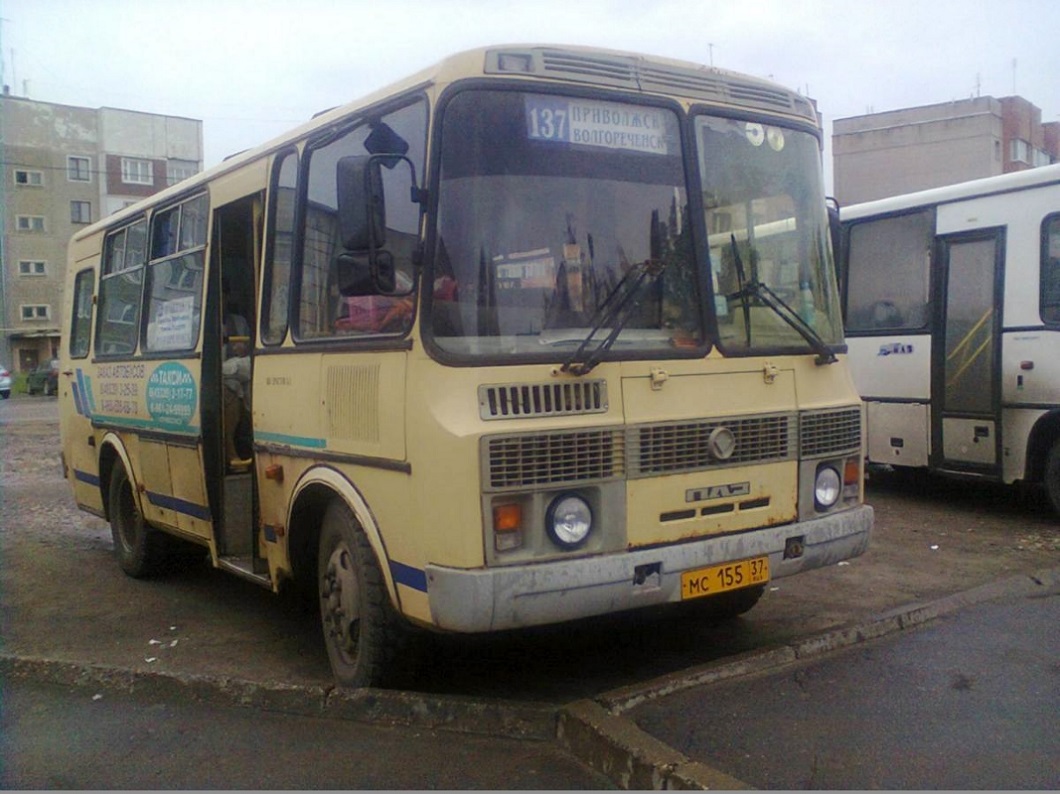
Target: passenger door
967,425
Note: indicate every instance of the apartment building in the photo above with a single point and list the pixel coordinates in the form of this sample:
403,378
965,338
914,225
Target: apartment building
900,151
63,168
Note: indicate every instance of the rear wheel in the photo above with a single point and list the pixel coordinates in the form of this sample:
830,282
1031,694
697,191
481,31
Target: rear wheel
368,643
1052,476
142,551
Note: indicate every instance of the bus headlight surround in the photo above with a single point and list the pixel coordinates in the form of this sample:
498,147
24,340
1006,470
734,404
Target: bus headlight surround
569,520
827,488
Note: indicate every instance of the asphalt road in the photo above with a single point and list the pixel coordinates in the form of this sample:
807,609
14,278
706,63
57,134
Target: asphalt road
75,620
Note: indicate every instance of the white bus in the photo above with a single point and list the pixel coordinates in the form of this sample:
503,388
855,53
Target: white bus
536,334
952,307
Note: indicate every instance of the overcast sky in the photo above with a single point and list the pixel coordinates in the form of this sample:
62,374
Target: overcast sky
250,69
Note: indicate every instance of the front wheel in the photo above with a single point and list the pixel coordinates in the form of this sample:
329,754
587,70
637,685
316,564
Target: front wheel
726,606
142,551
368,643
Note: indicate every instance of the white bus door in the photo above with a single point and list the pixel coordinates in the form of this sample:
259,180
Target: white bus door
966,425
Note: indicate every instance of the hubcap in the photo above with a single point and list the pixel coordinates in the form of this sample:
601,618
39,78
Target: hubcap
340,600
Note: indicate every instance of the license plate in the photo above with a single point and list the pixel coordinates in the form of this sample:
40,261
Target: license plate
720,578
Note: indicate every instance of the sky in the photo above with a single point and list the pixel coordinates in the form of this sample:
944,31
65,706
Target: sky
252,69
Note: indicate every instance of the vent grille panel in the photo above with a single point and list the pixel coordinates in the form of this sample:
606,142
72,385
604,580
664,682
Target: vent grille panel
830,432
521,400
555,458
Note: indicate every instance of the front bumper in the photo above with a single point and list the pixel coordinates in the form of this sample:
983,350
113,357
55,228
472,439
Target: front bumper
528,595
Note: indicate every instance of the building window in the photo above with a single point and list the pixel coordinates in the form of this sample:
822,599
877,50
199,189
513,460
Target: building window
29,178
30,223
30,267
177,171
1020,151
78,169
35,311
136,172
80,212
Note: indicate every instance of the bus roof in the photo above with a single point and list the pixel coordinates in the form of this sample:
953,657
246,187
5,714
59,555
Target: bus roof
564,63
962,191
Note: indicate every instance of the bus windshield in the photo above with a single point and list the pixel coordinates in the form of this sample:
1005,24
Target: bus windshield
547,205
768,233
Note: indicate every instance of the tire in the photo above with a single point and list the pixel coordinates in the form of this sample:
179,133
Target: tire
141,550
726,606
368,643
5,394
1052,476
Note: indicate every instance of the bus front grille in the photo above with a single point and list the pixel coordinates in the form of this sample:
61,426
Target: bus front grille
674,447
830,432
523,461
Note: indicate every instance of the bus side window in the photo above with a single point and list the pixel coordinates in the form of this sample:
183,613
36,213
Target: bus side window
889,266
322,310
276,287
1050,272
81,322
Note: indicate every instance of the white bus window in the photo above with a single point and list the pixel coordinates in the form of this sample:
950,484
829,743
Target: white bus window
124,253
887,278
175,278
322,311
1050,276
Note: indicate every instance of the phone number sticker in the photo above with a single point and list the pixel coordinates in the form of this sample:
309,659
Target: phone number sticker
586,122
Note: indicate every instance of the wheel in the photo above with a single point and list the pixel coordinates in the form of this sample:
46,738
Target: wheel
368,643
142,551
5,394
1052,476
726,606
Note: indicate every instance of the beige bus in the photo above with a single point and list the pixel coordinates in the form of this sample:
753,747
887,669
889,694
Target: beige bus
537,334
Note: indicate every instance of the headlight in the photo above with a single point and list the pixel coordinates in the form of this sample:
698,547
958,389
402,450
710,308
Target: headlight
827,488
569,520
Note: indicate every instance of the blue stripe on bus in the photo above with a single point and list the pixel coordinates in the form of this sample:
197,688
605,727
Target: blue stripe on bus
409,576
87,477
294,441
179,505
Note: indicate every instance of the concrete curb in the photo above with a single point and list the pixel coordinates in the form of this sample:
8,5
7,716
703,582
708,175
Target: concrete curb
509,719
593,730
597,734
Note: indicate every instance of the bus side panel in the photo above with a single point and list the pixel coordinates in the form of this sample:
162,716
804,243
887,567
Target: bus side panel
185,471
898,433
892,367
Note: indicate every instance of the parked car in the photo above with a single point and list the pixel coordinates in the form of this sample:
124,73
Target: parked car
5,382
44,379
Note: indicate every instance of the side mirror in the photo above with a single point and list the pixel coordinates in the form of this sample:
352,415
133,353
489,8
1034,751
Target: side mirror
365,274
362,204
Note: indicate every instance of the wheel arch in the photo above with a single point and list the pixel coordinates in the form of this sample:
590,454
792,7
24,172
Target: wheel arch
1044,434
112,452
310,498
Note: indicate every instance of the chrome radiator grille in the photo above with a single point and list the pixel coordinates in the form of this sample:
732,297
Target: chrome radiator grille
830,432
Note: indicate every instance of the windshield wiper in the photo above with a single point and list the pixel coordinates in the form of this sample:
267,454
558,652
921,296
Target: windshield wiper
756,289
615,311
